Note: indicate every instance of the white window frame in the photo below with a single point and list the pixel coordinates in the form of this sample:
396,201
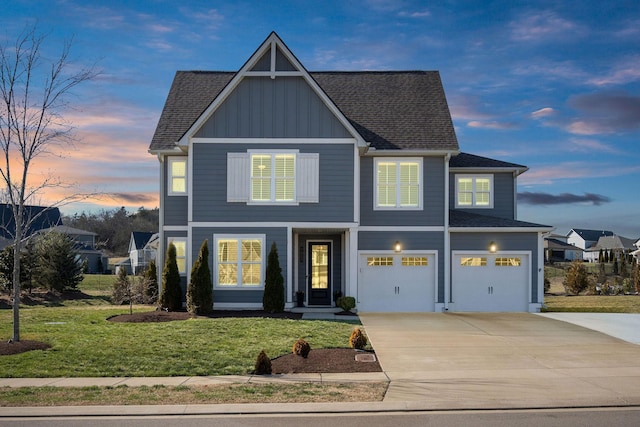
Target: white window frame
239,238
171,177
398,161
474,178
273,154
181,240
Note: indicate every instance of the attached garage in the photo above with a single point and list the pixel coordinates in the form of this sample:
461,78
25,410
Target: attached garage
397,282
483,281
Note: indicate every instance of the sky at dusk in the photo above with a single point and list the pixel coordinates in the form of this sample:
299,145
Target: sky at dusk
551,85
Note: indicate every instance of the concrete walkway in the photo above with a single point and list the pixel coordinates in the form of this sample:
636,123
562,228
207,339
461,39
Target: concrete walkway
620,325
501,360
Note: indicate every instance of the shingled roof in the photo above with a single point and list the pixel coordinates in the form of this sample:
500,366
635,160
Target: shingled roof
467,219
390,110
466,160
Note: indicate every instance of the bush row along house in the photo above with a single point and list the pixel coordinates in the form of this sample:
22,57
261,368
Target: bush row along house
356,176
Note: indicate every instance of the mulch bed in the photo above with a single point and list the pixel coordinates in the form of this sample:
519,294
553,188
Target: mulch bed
7,348
323,361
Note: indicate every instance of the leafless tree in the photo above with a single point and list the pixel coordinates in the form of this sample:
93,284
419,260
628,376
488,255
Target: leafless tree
33,91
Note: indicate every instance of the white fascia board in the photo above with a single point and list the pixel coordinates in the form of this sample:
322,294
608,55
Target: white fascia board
517,171
500,229
372,152
293,141
293,225
167,152
401,228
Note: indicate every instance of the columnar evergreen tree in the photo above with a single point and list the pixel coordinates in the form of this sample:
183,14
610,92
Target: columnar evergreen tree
606,255
273,298
624,272
636,276
171,294
151,282
200,288
600,256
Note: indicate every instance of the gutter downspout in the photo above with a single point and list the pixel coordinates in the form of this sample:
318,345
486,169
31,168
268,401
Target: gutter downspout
447,237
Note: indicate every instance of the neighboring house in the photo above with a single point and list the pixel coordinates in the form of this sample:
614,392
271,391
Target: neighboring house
636,251
142,250
616,244
45,217
585,239
85,244
556,250
356,176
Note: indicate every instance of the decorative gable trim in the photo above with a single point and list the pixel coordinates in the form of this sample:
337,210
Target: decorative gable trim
274,46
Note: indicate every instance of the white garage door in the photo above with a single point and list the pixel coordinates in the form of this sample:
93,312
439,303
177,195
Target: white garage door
490,282
397,282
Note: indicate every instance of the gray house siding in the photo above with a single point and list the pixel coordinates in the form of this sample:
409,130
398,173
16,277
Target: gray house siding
175,208
336,260
503,194
411,241
505,242
277,235
163,246
261,107
432,213
210,186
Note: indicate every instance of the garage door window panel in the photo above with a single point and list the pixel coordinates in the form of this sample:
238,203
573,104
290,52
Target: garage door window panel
380,261
508,262
473,262
414,261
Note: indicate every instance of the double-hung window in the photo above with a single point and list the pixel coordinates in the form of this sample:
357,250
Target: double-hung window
180,244
273,177
177,176
398,183
474,191
239,261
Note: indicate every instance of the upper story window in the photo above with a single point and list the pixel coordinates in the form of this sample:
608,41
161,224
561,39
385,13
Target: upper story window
177,177
474,191
180,244
273,177
398,183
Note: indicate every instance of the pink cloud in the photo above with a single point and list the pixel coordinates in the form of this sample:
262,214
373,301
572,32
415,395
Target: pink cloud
543,112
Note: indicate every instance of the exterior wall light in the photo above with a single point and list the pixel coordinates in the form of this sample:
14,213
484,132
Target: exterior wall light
493,247
397,246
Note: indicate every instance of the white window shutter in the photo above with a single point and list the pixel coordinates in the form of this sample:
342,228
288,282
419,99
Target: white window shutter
238,175
308,178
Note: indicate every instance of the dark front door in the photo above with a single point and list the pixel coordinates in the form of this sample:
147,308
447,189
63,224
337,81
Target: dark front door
319,273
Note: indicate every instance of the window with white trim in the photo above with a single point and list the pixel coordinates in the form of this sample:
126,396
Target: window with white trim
177,177
239,261
180,244
277,177
474,191
398,183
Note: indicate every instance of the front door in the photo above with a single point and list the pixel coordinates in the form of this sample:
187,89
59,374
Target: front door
319,273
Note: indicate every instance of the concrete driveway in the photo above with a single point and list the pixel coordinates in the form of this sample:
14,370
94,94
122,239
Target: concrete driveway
501,360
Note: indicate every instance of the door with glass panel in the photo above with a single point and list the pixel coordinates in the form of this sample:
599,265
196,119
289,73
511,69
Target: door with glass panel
319,273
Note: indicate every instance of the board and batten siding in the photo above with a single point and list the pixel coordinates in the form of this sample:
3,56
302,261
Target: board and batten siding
261,107
410,241
277,235
503,194
432,213
335,202
505,242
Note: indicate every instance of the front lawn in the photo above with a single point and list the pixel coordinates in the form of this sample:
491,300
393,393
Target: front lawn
85,344
592,303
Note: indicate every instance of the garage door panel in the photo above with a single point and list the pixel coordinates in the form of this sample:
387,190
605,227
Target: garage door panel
396,283
490,282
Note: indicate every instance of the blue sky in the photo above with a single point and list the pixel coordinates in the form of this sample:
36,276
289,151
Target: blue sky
551,85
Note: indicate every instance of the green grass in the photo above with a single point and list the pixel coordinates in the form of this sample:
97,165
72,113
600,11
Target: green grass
97,284
85,344
593,304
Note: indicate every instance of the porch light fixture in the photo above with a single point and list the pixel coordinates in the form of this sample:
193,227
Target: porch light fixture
397,246
493,247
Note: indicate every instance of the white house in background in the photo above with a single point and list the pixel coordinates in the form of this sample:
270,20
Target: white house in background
585,239
142,250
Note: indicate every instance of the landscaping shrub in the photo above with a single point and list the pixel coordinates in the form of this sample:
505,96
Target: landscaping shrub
150,278
346,303
357,340
577,279
57,266
171,295
301,348
273,296
263,364
199,290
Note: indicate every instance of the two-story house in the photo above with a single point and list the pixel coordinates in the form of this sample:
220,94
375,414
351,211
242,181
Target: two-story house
356,176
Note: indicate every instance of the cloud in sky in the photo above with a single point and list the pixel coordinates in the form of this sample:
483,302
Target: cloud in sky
543,112
577,170
490,124
542,25
605,112
530,198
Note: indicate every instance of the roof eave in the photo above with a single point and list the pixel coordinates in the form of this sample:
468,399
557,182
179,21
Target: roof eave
540,229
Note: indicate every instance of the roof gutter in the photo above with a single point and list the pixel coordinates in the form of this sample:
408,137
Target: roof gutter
400,152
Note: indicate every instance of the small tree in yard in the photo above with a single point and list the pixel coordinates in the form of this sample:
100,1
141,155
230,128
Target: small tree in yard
123,289
576,279
600,256
58,267
273,298
150,278
199,290
171,294
636,276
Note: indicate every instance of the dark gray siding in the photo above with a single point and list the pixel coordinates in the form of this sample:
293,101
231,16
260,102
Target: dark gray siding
163,248
277,235
505,242
336,260
433,197
503,203
175,208
410,241
210,186
261,107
